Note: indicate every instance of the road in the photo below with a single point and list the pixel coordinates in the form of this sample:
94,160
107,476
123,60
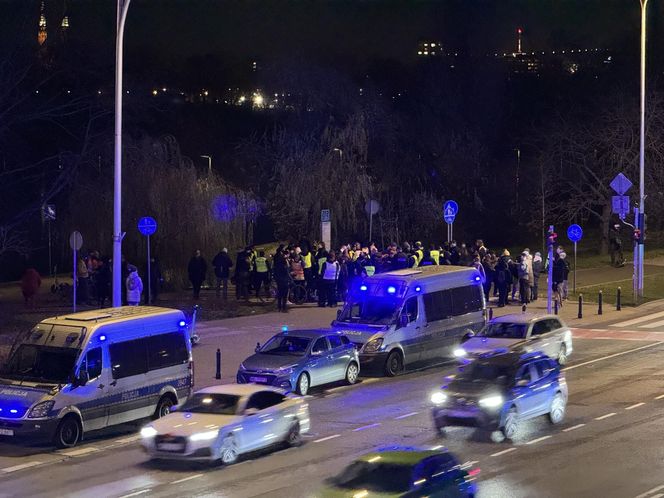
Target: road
607,446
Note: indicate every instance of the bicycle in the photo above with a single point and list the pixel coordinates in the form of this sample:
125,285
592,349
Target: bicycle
297,291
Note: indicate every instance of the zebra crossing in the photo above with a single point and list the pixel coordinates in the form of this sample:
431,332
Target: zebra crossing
646,322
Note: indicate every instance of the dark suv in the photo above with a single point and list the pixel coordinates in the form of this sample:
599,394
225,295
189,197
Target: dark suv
497,392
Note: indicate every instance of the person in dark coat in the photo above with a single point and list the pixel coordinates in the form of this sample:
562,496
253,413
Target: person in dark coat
243,273
30,283
197,268
503,277
103,281
281,271
156,279
222,268
559,268
538,266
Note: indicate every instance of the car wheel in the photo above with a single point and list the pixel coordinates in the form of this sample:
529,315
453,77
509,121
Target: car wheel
68,433
511,425
393,364
496,436
557,413
303,384
562,355
163,407
352,373
228,453
294,437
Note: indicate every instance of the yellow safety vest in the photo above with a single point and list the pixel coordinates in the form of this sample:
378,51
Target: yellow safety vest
435,255
261,265
308,259
320,263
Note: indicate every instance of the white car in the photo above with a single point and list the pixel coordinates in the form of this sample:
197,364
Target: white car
222,422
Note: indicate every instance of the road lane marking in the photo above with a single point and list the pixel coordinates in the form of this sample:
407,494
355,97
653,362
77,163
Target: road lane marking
574,427
641,319
327,438
79,452
7,470
508,450
141,492
539,439
130,439
634,406
653,325
651,491
406,415
605,416
660,396
184,479
364,427
612,356
658,495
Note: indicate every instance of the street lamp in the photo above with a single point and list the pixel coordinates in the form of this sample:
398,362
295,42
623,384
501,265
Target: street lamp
209,158
642,198
122,8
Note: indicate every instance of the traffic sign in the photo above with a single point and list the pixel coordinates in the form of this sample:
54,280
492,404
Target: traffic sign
620,205
147,225
448,216
372,207
48,212
620,184
451,206
574,233
76,241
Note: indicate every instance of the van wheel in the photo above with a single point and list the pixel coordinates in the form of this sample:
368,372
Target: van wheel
163,407
393,364
68,432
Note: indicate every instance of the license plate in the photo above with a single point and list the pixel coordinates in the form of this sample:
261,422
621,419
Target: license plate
170,446
460,414
6,432
258,379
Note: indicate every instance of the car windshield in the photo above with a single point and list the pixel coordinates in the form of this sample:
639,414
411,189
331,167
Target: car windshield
375,477
286,344
36,363
370,311
221,404
485,371
505,330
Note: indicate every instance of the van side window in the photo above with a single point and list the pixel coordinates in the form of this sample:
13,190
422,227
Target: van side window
167,350
438,305
466,299
93,363
411,309
128,358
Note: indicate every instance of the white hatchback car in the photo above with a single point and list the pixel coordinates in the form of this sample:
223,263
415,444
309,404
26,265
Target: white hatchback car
222,422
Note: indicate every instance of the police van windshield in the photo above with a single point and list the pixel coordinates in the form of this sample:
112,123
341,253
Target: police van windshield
34,363
370,311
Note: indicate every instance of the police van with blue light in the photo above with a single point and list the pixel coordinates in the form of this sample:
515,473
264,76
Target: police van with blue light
403,317
85,371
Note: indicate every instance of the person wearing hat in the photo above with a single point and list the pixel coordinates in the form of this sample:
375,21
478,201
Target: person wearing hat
134,286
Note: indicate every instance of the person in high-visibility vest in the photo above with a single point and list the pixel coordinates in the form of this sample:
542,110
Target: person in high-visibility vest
309,274
419,252
434,254
261,270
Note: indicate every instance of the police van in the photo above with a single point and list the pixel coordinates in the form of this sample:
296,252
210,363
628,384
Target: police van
85,371
413,315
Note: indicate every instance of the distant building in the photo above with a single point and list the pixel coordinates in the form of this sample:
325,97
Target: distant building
429,48
63,20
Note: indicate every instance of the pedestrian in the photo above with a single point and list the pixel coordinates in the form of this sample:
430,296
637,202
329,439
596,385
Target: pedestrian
503,277
282,278
261,274
156,279
558,277
309,273
243,263
477,264
489,265
615,247
197,268
222,265
537,270
566,269
103,281
329,276
134,286
83,281
524,278
30,283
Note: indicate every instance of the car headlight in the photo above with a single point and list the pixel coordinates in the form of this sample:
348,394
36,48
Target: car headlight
204,436
40,410
491,401
148,432
460,352
373,345
284,371
438,398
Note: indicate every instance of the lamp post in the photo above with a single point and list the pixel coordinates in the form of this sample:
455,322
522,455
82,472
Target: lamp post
118,235
209,158
642,198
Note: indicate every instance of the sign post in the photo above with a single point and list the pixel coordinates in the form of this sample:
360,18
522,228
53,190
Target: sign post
450,210
48,215
620,203
574,233
75,242
551,240
371,207
148,226
326,228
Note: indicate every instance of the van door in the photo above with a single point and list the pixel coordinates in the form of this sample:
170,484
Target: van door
438,310
410,332
91,399
127,389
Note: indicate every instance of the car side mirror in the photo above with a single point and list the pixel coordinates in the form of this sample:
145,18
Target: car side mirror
521,383
403,320
81,378
258,347
468,335
250,412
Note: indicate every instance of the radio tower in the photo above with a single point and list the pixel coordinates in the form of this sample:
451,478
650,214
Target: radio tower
518,40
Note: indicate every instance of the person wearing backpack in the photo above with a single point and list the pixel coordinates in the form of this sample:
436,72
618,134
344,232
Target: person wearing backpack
134,286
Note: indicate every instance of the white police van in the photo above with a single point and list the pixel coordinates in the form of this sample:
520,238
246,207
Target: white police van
402,317
85,371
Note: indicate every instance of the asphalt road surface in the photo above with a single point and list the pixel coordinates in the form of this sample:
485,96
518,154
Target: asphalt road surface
609,445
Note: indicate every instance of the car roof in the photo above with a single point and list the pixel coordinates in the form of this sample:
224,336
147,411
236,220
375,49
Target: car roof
309,333
400,455
525,318
237,389
409,274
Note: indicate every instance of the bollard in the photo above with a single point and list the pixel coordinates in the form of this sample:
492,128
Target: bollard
217,375
599,300
580,315
490,313
555,307
523,308
618,307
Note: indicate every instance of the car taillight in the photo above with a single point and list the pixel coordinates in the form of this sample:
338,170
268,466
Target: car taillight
473,472
191,373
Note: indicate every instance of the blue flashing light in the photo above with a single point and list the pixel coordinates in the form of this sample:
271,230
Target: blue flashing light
284,329
102,338
182,323
477,278
391,289
363,287
418,288
13,410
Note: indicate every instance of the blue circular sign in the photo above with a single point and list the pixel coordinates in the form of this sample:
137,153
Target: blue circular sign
147,225
574,233
450,208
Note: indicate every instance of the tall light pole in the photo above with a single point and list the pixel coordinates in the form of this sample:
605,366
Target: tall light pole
123,7
642,197
209,158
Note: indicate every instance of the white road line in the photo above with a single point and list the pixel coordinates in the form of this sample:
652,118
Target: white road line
508,450
539,439
184,479
660,396
640,319
364,427
327,438
634,406
141,492
7,470
79,452
574,427
658,495
406,415
651,491
653,325
605,416
130,439
612,356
